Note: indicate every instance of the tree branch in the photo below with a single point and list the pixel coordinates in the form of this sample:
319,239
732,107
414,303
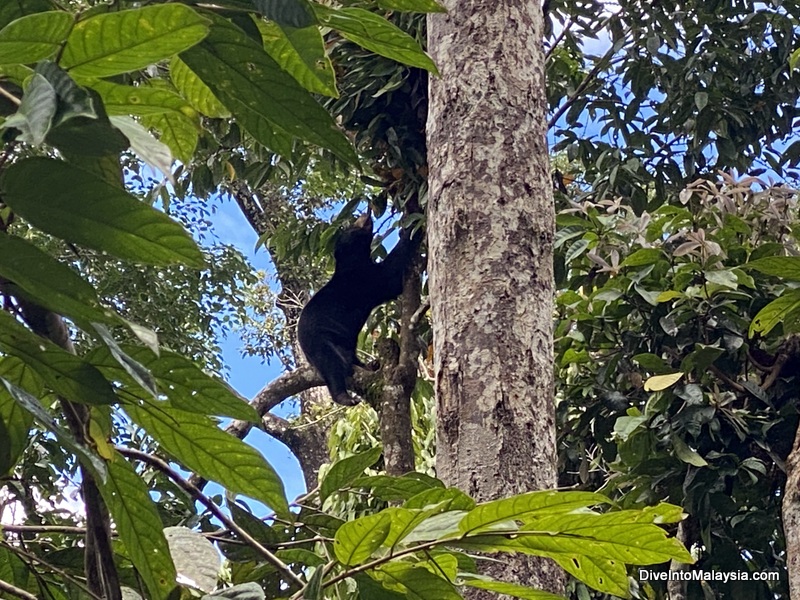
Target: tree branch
215,510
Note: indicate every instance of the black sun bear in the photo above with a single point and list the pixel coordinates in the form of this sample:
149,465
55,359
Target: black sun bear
331,321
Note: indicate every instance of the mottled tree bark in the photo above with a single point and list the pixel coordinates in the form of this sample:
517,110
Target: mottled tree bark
791,517
490,235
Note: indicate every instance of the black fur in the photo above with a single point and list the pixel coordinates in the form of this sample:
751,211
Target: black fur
331,321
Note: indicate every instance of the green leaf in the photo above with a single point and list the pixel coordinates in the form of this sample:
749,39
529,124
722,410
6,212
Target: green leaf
50,283
785,267
34,116
301,53
416,582
139,527
701,100
196,93
627,536
625,426
376,34
65,373
369,589
388,488
642,257
652,362
701,358
138,372
183,382
178,131
783,309
80,207
289,13
793,59
490,514
81,126
40,414
404,520
16,420
453,498
265,99
345,471
687,454
592,547
356,540
196,442
438,527
482,582
34,37
128,40
140,100
424,6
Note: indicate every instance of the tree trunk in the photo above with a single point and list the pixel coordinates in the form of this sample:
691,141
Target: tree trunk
490,235
791,517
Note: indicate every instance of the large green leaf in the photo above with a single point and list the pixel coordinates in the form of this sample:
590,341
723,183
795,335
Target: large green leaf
626,536
79,207
119,42
501,587
345,471
289,13
178,131
376,34
356,540
196,93
265,99
786,267
783,309
486,515
16,420
65,373
33,37
301,53
139,527
416,582
404,487
187,387
50,283
81,127
140,100
34,117
426,6
200,445
31,404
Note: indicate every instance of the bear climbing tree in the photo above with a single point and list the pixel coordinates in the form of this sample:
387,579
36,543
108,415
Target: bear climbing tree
331,321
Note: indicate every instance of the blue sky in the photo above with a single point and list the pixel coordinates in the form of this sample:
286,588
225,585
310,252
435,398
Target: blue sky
248,374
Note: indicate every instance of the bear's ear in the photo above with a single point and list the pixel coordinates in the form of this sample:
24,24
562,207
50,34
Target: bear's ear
364,222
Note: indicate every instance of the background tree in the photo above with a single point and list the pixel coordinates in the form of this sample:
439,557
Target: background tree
675,96
123,412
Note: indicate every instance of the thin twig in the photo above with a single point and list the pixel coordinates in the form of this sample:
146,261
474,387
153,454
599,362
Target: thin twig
197,495
15,591
32,557
9,96
36,529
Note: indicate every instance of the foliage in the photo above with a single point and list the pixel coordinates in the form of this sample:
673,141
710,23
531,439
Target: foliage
680,90
670,326
89,394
